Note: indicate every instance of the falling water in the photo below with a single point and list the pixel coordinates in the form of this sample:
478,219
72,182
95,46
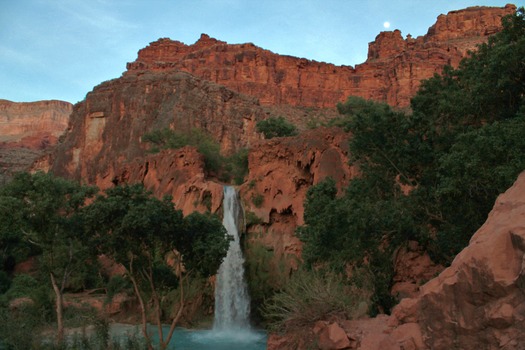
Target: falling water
232,302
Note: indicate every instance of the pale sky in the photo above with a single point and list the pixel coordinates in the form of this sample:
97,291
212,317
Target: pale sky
61,49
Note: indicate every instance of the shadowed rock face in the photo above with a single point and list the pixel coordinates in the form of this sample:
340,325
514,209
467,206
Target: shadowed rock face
392,72
280,172
107,128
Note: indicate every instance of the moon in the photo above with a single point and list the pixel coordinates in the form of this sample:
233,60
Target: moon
386,25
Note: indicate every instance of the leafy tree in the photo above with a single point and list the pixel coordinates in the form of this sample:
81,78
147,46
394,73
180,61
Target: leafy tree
141,232
276,127
44,212
431,175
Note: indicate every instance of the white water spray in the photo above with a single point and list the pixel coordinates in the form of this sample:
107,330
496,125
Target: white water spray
232,302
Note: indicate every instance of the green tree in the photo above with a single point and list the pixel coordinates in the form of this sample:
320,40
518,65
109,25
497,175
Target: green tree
276,127
140,232
436,170
45,212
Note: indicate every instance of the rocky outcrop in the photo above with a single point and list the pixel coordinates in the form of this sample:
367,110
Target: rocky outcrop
479,301
392,72
27,131
476,303
178,173
106,130
280,172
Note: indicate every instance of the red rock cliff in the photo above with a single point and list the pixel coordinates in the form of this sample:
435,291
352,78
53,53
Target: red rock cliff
280,172
391,73
37,121
27,130
104,141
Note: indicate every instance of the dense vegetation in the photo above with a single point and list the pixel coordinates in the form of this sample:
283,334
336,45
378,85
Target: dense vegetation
431,175
50,219
276,127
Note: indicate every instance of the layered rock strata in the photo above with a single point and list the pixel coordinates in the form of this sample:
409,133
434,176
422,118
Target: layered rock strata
106,129
392,72
27,131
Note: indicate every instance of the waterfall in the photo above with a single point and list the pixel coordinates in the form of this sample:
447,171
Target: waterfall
232,302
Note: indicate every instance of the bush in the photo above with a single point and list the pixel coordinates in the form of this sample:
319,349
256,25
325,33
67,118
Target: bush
276,127
311,296
257,200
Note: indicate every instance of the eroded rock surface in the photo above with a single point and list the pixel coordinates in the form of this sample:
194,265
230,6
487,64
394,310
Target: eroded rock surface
392,72
106,131
280,172
27,131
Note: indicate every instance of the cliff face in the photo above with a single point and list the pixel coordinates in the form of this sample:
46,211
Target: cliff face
106,129
34,125
27,130
391,73
280,172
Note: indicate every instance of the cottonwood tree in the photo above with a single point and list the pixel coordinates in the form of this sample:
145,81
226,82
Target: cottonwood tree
44,211
140,231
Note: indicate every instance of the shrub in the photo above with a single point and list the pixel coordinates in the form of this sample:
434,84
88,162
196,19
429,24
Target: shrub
311,296
257,200
276,127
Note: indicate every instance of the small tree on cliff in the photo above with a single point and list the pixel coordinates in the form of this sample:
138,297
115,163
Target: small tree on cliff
44,211
276,127
139,231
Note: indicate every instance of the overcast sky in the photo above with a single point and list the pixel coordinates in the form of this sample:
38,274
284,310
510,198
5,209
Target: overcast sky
61,49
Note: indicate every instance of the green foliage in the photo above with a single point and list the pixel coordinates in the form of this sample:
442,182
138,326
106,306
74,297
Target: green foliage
117,284
276,127
252,218
257,200
140,231
236,166
204,244
311,296
430,176
5,282
20,328
266,274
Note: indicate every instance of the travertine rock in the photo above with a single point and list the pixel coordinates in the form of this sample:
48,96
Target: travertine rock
280,172
391,73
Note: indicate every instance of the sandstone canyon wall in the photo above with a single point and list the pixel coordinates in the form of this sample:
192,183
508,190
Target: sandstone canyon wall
104,141
392,72
27,129
175,85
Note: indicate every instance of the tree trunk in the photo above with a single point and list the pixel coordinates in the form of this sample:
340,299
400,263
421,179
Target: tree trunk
59,307
142,310
156,302
164,344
